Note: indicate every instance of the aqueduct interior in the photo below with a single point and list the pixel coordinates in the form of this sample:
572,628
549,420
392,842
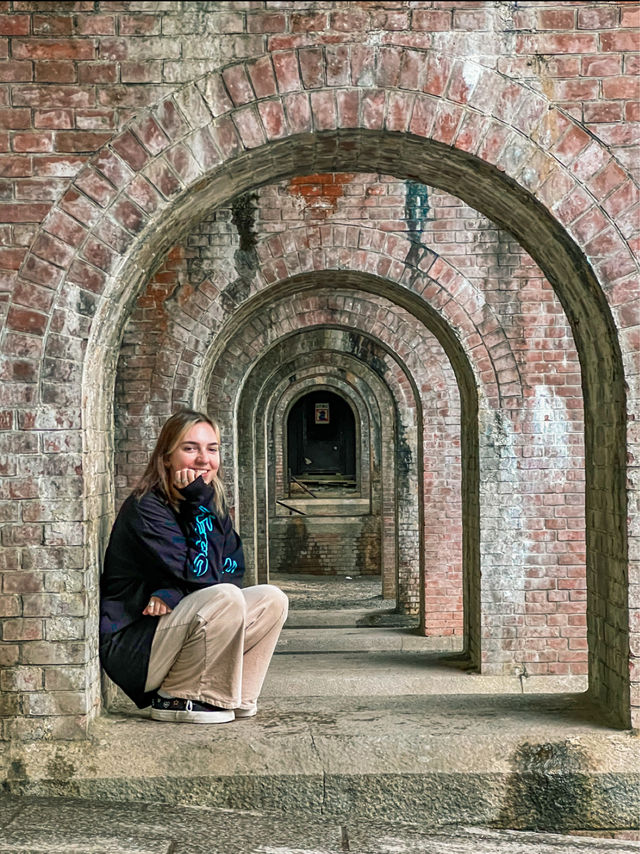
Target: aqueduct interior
435,256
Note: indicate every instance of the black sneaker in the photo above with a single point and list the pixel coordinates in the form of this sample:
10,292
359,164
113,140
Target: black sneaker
188,711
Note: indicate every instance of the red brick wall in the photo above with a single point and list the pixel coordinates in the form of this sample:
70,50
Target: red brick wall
72,75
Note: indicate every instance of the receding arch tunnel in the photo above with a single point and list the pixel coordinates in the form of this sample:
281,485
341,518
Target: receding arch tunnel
492,193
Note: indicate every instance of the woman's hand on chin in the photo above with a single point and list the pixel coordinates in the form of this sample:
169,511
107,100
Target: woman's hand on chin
183,477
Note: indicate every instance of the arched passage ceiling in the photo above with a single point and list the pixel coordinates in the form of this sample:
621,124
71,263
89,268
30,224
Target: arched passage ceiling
357,281
405,157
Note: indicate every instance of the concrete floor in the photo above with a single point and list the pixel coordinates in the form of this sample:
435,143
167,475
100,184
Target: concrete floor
360,722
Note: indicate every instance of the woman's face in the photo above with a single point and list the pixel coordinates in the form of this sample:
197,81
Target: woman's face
198,450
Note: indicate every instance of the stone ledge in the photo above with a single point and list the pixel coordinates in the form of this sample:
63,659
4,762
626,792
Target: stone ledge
509,761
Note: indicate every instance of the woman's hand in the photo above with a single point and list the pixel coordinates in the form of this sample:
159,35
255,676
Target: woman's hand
184,477
156,607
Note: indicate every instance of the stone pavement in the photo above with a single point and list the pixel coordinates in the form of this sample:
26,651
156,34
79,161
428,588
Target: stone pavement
41,826
363,730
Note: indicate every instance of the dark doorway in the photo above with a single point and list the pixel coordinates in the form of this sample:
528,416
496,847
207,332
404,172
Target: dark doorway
321,435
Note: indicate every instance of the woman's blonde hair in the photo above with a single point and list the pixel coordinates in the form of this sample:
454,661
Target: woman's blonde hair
156,474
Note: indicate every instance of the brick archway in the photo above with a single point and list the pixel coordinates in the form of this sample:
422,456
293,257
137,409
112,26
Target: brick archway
182,363
327,351
263,119
298,306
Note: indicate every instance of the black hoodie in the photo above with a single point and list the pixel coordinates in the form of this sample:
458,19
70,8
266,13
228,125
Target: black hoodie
156,551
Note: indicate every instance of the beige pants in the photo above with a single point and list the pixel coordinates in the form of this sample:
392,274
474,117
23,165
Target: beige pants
216,644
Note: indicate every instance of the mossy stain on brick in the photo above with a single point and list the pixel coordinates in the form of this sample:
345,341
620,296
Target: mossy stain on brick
550,788
59,769
243,213
416,209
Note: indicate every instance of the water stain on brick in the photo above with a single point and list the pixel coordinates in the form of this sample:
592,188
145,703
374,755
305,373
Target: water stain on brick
363,348
243,215
404,457
416,209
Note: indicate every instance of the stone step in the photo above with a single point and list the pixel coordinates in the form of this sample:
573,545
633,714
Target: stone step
314,640
501,760
319,618
397,674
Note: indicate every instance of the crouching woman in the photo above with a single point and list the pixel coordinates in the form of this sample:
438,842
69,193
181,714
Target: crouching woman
177,632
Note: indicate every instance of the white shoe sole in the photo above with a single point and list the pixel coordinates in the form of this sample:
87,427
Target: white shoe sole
169,715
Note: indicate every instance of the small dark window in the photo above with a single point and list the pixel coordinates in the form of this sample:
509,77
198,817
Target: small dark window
321,434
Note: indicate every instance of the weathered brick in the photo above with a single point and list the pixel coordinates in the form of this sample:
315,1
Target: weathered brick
91,183
113,168
65,678
298,112
97,72
130,150
53,604
144,194
16,166
10,259
54,119
266,22
32,141
10,606
23,212
183,163
14,25
237,84
54,49
141,72
37,270
52,97
163,178
603,112
22,679
56,703
65,228
59,165
323,110
618,41
216,96
150,134
11,119
12,71
87,276
309,22
77,141
431,20
285,64
139,25
56,71
472,19
22,630
128,216
273,119
95,25
80,208
621,87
